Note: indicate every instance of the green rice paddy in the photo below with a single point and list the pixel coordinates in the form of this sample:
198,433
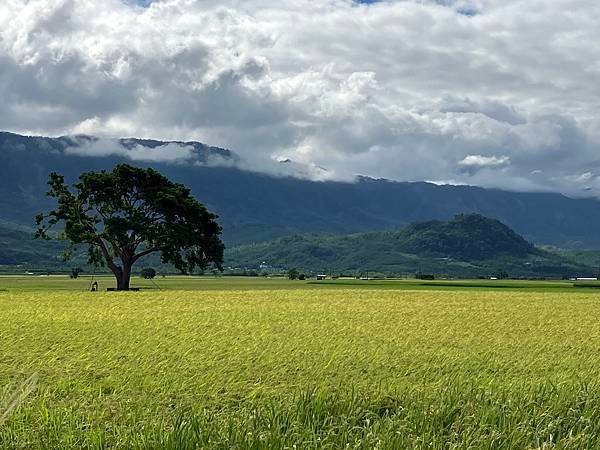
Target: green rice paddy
277,364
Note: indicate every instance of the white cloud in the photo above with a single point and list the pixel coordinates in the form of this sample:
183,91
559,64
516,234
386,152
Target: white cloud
484,161
492,92
171,152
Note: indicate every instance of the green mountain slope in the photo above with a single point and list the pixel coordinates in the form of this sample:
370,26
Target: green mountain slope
17,247
590,258
468,245
254,207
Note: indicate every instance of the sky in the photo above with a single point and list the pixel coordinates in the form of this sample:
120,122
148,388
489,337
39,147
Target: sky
494,93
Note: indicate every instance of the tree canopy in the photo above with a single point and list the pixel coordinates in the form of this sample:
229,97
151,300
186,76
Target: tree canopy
128,213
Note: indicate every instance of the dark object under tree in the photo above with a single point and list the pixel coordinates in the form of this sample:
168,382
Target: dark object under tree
148,273
129,213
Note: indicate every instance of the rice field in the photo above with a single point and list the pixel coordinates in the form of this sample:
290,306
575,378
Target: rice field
300,368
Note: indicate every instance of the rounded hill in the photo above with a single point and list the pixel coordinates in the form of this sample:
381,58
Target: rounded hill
467,237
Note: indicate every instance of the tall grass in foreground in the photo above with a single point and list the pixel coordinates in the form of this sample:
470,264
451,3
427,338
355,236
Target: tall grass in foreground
454,417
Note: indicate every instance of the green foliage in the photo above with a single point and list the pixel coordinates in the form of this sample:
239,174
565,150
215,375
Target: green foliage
128,213
293,274
148,273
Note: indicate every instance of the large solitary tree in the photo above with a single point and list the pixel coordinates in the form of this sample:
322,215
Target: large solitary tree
129,213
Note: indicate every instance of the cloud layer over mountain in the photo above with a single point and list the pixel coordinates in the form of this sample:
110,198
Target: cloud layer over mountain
498,93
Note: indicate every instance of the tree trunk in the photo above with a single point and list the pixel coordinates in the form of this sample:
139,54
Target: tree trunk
124,278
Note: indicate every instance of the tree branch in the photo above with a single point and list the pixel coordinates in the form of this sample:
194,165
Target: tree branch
145,252
109,261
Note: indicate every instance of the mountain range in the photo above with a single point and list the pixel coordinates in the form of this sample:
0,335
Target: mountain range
256,207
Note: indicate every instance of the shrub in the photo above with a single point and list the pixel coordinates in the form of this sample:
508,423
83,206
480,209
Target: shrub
424,276
293,274
148,273
502,274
